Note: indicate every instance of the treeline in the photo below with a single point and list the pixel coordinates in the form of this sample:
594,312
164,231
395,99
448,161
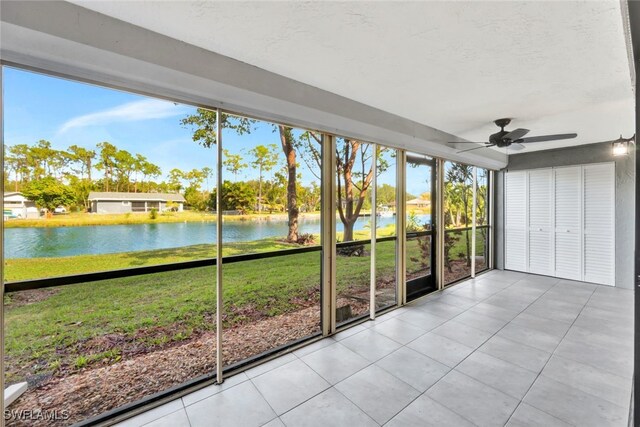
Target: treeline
52,177
354,166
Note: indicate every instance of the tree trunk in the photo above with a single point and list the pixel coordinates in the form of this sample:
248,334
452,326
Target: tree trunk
286,139
260,191
466,224
348,231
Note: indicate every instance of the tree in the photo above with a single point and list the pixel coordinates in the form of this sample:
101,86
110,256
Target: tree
18,162
175,179
265,158
40,157
353,180
124,166
288,148
107,162
48,193
80,188
81,160
458,190
386,194
233,163
205,134
148,170
208,173
235,196
204,122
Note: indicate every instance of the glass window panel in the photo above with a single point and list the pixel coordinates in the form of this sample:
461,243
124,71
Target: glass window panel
458,213
271,204
386,192
457,243
354,173
386,274
386,228
105,180
482,214
482,248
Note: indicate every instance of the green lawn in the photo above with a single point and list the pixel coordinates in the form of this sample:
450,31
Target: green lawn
72,326
76,325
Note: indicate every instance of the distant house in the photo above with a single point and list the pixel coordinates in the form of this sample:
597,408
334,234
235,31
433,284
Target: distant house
113,202
18,206
419,203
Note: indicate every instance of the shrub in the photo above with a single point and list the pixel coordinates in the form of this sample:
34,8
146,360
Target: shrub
153,214
306,239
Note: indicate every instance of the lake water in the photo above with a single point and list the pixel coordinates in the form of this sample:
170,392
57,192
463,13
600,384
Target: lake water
40,242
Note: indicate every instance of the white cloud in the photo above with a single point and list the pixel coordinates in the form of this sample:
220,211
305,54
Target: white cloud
130,112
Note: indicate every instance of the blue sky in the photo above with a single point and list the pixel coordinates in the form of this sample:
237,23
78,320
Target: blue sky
65,113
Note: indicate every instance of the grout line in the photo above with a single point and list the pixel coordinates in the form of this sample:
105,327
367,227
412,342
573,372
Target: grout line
450,368
477,348
332,386
547,362
187,415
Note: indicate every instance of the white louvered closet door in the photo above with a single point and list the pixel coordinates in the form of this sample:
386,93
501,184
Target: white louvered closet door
515,231
541,222
568,220
599,230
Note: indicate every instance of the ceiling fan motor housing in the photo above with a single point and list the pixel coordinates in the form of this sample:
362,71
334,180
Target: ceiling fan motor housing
497,138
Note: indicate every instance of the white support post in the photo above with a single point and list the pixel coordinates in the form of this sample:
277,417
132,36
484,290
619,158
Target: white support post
328,233
219,362
374,207
440,230
2,325
490,220
474,205
401,229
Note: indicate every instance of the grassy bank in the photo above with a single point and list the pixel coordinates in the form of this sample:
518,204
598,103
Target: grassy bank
76,219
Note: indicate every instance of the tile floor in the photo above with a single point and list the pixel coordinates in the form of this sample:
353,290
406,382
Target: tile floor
504,349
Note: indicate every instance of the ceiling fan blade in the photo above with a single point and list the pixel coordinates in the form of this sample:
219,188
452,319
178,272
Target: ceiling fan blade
466,142
516,134
547,138
475,148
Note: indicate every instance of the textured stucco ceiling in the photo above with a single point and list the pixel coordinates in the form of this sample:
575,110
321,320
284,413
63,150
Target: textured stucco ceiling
554,67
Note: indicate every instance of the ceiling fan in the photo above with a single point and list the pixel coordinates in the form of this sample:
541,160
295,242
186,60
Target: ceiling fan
506,138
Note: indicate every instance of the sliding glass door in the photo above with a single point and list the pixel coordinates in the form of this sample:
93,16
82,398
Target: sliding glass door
420,235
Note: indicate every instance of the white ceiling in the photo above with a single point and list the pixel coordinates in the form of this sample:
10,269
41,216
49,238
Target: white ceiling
554,67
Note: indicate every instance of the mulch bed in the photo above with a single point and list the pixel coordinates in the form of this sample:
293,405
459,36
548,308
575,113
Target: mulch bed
97,389
93,391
